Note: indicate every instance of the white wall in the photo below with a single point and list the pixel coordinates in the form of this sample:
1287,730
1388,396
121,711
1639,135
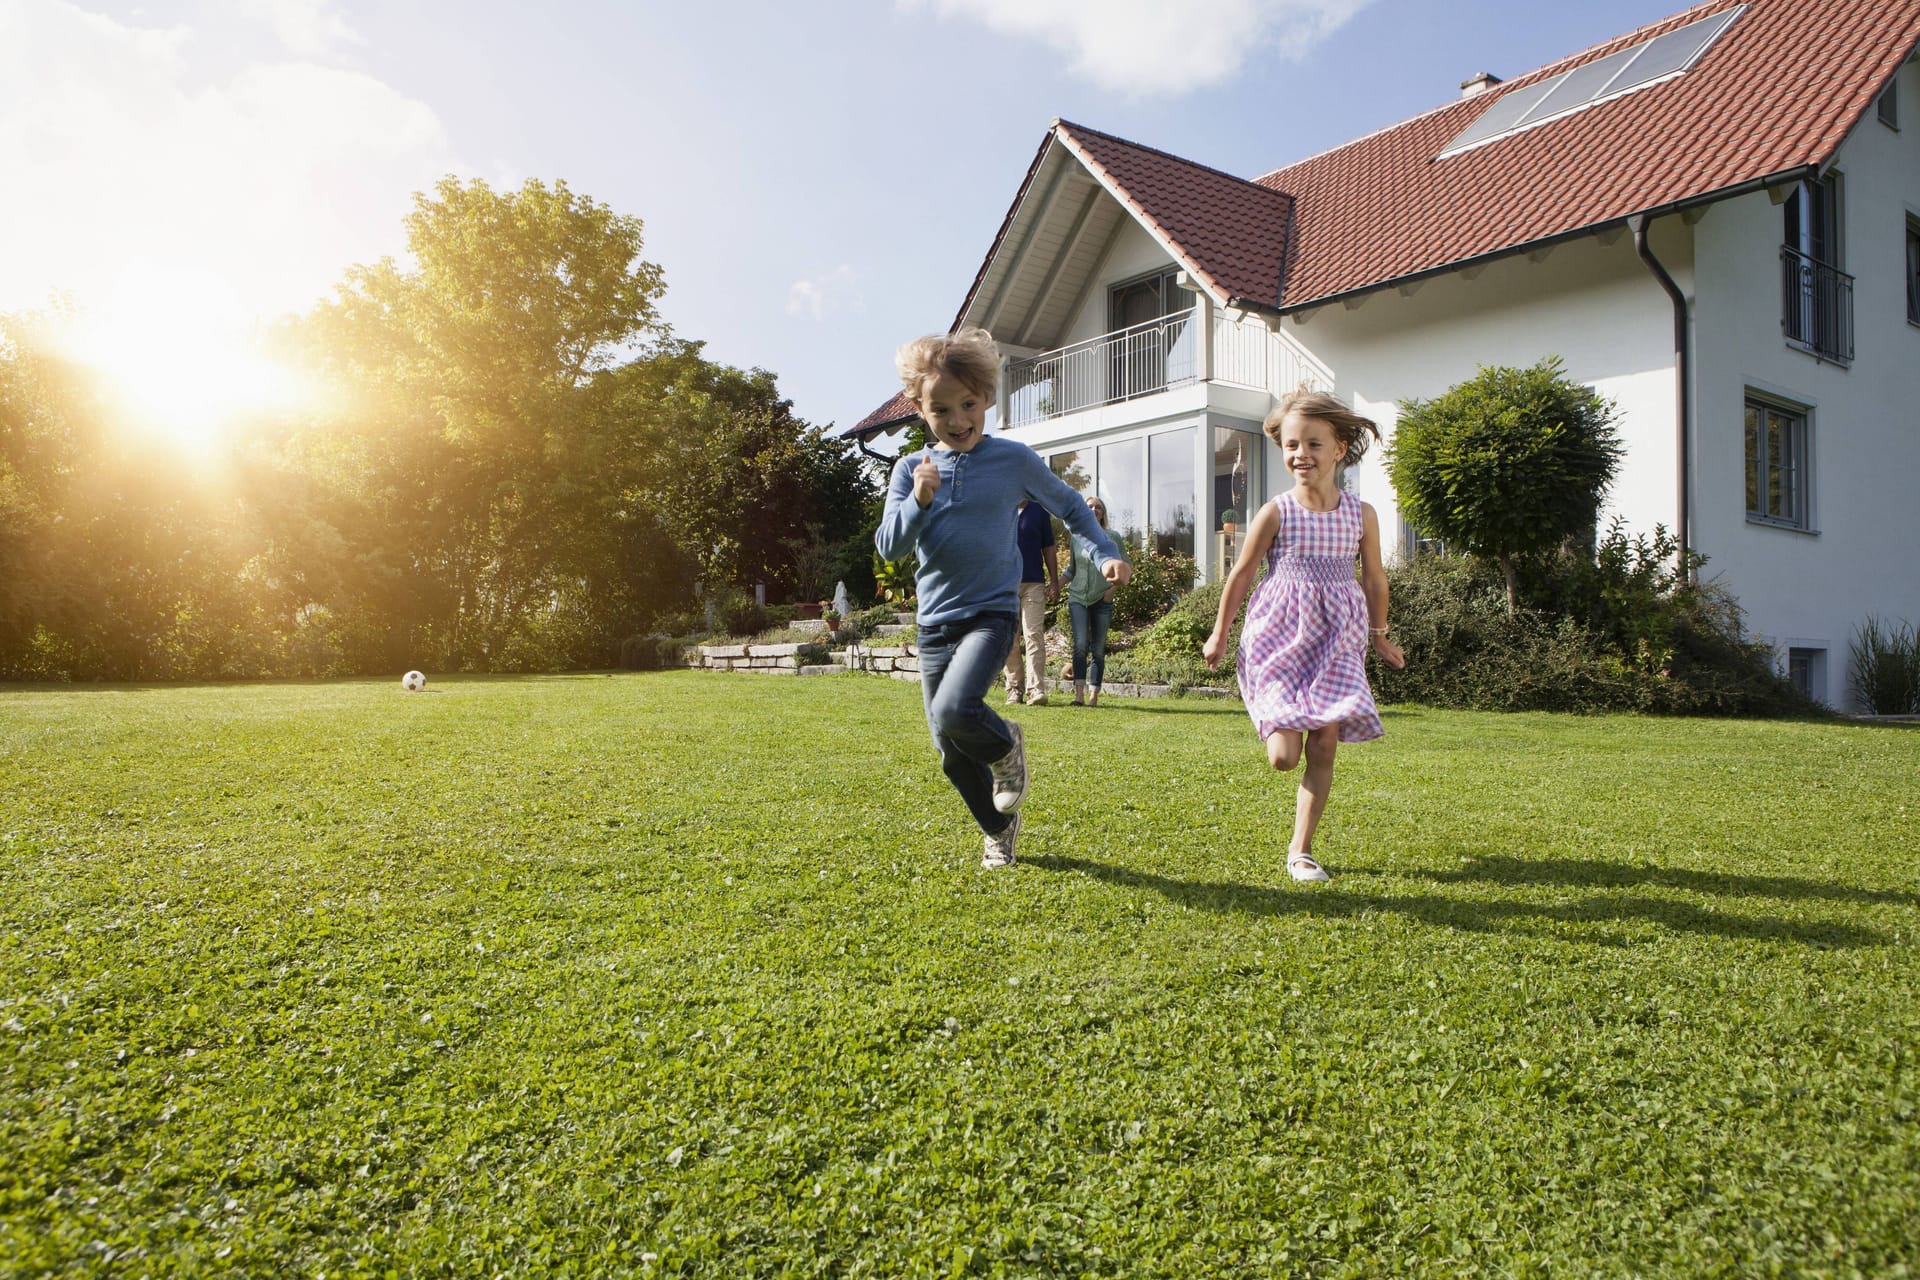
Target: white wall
1812,589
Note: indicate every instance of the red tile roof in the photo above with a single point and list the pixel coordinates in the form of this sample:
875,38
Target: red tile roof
895,411
1773,96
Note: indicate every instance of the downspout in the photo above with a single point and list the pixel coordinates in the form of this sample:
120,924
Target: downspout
1682,378
881,458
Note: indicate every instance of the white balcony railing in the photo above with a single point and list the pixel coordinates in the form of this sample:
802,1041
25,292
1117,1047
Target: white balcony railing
1248,354
1149,358
1123,365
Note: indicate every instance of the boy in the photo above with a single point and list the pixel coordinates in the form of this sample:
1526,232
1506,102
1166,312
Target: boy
956,506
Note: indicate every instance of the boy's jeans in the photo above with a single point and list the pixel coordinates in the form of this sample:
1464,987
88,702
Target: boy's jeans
958,661
1090,623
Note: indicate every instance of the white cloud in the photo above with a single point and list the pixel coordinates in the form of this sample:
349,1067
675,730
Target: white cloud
820,295
308,28
1146,47
267,182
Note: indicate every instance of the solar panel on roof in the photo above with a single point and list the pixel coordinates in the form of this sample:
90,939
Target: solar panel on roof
1505,113
1580,85
1591,82
1676,50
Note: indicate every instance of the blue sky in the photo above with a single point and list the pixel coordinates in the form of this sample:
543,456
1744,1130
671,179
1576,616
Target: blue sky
818,180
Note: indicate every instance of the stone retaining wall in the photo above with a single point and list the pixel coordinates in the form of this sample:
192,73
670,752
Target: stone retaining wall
785,660
761,659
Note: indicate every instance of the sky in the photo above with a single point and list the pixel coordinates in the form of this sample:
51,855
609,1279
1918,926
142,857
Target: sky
819,179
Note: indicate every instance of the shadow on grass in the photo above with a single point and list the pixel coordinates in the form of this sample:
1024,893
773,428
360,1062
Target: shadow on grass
1589,873
1335,901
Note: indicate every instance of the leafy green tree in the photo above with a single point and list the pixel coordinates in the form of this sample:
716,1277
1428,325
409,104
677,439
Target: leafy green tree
467,458
740,488
1510,462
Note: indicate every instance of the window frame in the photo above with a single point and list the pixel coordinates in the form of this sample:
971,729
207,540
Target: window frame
1755,468
1166,280
1806,670
1887,106
1913,270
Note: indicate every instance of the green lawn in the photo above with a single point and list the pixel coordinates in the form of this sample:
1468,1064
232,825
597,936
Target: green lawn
689,974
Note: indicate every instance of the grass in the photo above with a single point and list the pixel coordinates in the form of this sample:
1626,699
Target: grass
682,974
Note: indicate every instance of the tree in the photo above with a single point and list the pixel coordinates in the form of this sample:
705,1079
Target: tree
1510,462
739,486
467,458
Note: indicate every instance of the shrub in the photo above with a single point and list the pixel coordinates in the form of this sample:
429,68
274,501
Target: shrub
680,624
867,622
735,613
893,580
1464,649
1169,651
1884,668
1508,463
1158,581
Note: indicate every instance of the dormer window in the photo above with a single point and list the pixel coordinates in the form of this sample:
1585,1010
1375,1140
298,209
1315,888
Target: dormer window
1644,65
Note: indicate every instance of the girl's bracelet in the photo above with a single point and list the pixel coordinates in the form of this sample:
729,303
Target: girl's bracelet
1377,631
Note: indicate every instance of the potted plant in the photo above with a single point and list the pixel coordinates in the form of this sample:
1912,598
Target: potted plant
828,616
1229,520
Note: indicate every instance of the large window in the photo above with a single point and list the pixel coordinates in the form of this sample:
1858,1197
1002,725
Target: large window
1236,481
1776,464
1121,482
1071,467
1171,491
1148,484
1148,298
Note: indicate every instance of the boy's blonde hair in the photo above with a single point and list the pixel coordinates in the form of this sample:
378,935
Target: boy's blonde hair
968,356
1349,428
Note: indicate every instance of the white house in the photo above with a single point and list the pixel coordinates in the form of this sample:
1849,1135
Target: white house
1714,220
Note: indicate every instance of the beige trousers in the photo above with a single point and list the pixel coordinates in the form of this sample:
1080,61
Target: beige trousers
1031,633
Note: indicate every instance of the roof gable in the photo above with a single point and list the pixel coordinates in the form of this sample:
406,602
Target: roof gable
1230,234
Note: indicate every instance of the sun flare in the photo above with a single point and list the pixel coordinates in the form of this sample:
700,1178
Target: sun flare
181,355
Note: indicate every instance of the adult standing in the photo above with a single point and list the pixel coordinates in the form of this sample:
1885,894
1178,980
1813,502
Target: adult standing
1039,586
1090,602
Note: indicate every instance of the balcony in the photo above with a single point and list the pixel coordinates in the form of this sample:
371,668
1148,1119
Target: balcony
1816,306
1159,355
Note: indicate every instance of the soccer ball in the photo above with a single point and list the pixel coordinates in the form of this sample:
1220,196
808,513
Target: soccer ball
413,681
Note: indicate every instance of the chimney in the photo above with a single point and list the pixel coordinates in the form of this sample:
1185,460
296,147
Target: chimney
1477,85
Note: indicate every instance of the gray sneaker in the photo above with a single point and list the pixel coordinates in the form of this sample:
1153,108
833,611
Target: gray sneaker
999,850
1010,773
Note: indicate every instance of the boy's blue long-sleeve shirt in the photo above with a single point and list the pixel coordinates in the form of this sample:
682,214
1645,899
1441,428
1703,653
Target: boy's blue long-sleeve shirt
969,562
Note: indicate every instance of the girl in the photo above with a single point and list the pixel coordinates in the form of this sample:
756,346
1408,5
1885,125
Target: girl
1090,603
956,506
1302,658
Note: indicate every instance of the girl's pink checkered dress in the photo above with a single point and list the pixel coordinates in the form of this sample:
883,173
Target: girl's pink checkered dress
1303,651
